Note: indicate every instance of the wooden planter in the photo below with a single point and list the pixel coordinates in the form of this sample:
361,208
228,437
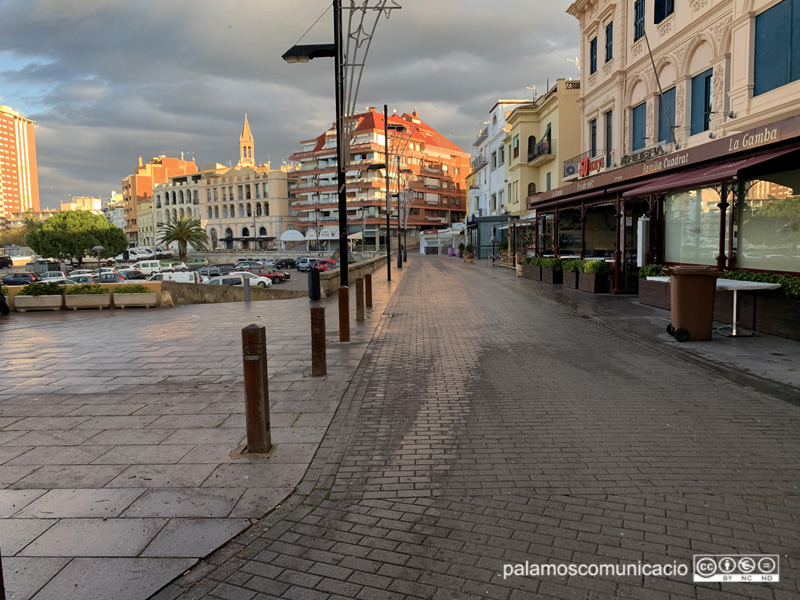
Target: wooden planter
125,300
532,272
593,282
77,301
654,293
570,279
26,303
552,276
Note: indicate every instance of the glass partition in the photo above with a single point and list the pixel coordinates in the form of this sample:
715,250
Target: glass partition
569,233
691,226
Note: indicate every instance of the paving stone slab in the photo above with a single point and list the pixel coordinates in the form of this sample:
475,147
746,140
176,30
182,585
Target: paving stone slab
194,537
83,503
24,577
16,534
188,502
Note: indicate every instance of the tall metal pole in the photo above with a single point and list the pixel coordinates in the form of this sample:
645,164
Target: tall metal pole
388,196
340,142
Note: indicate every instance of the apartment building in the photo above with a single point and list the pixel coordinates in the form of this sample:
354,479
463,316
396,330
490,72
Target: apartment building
426,171
19,181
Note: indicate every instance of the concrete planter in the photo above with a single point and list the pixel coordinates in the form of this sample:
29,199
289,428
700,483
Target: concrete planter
26,303
77,301
125,300
552,276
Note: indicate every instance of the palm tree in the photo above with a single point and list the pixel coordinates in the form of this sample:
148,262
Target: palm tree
187,232
30,222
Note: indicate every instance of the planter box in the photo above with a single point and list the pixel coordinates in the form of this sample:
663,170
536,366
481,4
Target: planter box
551,276
77,301
125,300
593,283
570,279
774,315
654,293
532,272
26,303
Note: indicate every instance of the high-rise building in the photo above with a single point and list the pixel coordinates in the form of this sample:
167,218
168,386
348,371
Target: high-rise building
425,168
19,182
138,188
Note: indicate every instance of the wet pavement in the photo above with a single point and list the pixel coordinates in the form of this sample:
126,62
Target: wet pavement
477,420
121,431
495,422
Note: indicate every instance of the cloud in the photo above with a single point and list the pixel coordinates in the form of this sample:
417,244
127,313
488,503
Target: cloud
109,80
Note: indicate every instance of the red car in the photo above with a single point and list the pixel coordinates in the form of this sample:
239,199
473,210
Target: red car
327,265
275,276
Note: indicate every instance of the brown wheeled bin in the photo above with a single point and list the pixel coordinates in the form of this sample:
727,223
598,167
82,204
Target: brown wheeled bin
692,292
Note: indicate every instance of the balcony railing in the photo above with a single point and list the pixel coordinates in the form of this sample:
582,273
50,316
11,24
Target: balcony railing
572,166
481,136
543,150
479,162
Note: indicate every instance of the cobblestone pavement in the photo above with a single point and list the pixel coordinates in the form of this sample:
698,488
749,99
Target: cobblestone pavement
487,426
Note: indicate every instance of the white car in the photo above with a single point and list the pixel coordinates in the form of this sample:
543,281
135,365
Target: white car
50,275
237,278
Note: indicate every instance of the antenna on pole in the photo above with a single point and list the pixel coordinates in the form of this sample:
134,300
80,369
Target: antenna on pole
533,90
577,62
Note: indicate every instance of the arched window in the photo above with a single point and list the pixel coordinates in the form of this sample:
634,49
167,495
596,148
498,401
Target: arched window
241,210
531,189
266,209
245,232
228,233
262,232
181,213
216,212
248,210
209,213
531,144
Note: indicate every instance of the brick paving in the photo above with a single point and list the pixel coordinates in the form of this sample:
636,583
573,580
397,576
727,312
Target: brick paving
488,425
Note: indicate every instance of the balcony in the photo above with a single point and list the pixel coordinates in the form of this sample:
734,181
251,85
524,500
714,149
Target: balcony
481,136
543,152
594,162
479,162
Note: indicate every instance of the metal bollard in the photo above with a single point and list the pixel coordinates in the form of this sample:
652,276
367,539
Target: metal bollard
256,389
368,289
344,314
359,299
319,364
246,287
313,284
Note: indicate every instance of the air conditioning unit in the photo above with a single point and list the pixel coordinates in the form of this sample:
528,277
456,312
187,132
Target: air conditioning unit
570,169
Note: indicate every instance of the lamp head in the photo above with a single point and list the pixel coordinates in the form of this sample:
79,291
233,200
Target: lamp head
302,53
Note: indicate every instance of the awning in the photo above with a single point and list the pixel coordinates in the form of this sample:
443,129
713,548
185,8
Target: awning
699,177
358,235
292,235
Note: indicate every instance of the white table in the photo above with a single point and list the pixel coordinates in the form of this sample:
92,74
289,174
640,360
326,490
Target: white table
734,285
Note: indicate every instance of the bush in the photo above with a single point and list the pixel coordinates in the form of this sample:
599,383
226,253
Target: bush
532,260
598,267
461,247
571,264
4,290
651,271
550,263
41,288
790,286
469,248
85,288
132,288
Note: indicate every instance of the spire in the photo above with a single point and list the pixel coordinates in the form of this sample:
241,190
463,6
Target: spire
246,145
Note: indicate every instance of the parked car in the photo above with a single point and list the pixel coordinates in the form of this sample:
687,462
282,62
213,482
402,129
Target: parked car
131,273
302,263
181,276
327,265
238,279
86,278
20,278
148,267
174,266
109,278
243,265
275,276
196,263
255,280
53,275
218,269
285,263
136,254
6,262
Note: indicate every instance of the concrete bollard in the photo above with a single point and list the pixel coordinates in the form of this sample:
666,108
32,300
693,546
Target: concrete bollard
344,314
246,288
319,363
256,389
359,299
368,289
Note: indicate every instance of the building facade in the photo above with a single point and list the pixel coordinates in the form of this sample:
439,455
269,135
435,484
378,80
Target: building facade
88,203
19,181
138,187
691,154
114,209
426,172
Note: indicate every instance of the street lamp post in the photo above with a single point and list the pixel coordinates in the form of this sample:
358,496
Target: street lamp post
99,250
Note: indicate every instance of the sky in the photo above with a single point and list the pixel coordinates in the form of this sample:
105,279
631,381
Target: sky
108,81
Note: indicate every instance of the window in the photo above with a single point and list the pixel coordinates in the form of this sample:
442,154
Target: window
515,144
609,41
548,178
593,136
501,155
593,56
666,116
701,102
638,19
639,126
609,136
494,160
777,46
662,9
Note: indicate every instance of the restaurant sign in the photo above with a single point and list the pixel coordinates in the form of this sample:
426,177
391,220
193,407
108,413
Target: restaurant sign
645,154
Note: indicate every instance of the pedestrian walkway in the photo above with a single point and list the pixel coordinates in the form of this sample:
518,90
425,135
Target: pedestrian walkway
121,431
489,426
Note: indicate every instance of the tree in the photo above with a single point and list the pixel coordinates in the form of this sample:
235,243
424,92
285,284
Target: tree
15,236
187,232
73,234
